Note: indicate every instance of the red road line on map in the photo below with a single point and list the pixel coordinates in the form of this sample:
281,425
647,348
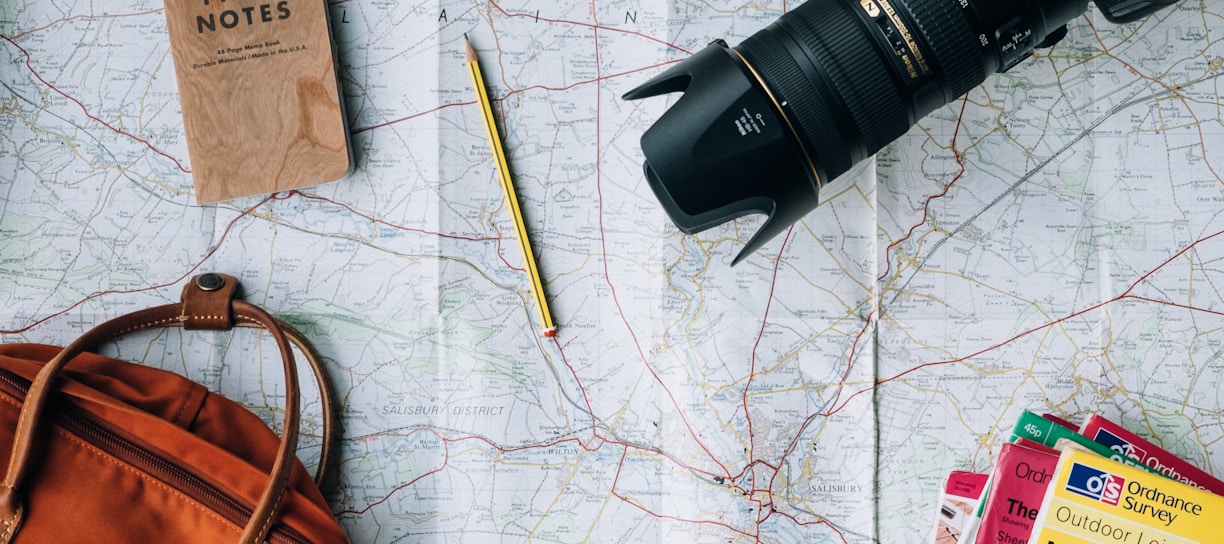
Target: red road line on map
86,110
503,449
773,285
1175,305
1175,91
446,461
90,17
572,86
607,274
616,481
926,207
410,483
585,396
542,87
75,17
359,130
682,520
824,522
841,384
600,77
960,161
602,441
926,215
1124,296
603,240
383,222
573,371
595,26
508,94
189,272
496,239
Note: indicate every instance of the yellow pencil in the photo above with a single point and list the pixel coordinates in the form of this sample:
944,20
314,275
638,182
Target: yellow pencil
503,173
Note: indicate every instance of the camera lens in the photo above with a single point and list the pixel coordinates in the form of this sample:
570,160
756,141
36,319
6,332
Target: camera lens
762,126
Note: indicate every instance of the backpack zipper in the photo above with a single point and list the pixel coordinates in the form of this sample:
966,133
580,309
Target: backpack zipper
116,443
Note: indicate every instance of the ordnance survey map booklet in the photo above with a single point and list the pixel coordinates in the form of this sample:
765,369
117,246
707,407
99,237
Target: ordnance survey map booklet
1122,440
1017,487
1050,242
1094,500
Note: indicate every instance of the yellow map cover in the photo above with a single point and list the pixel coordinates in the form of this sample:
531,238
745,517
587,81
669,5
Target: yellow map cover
1097,500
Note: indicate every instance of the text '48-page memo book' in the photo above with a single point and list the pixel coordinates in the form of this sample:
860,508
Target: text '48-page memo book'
260,98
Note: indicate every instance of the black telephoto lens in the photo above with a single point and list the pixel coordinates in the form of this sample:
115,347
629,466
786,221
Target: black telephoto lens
763,125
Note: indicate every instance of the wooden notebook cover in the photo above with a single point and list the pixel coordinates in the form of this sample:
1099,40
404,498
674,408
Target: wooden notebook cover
260,98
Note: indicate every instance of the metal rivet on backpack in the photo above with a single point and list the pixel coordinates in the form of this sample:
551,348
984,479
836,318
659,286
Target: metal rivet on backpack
210,282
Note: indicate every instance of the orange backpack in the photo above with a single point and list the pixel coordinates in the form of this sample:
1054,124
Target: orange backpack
100,450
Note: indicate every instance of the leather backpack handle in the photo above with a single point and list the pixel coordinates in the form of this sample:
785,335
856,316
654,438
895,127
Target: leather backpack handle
326,398
208,303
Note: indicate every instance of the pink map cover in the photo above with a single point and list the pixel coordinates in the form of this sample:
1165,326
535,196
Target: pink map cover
1132,445
1017,488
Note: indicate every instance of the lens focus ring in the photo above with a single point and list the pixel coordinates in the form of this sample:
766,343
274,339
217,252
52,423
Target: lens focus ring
955,48
838,82
823,45
838,42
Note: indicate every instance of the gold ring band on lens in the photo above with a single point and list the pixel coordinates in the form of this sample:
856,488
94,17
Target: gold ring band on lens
903,29
785,118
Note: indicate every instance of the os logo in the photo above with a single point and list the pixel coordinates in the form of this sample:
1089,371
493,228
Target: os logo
1095,484
1119,445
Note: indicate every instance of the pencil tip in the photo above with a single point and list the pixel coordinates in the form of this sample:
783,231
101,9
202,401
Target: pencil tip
471,52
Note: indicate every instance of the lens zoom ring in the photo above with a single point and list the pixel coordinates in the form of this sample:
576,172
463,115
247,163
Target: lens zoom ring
811,114
839,44
952,42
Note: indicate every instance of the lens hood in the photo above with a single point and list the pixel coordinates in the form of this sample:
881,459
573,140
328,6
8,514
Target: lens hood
723,150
